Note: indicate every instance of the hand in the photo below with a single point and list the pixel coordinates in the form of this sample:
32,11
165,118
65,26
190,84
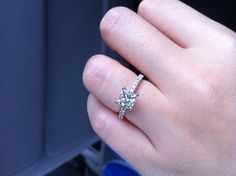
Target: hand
184,121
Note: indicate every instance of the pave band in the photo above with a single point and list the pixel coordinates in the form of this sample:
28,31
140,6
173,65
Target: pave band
136,83
127,98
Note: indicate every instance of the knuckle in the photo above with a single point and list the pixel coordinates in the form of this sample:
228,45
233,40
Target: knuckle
201,91
230,42
206,92
111,20
228,38
146,5
95,72
143,6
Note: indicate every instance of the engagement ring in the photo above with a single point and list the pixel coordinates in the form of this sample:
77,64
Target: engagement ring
127,97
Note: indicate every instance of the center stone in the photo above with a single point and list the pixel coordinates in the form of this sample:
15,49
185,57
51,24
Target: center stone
127,99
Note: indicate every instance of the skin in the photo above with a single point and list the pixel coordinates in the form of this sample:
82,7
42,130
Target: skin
184,121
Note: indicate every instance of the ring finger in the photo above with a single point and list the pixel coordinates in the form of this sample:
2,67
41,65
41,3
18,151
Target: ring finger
104,78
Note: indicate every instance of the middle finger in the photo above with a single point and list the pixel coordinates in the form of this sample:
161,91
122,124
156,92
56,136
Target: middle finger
141,44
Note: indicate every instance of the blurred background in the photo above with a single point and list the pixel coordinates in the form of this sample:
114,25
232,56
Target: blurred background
44,45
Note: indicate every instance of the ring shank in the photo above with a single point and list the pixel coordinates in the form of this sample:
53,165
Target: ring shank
136,83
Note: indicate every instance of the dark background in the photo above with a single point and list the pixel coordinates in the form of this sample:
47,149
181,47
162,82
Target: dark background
44,45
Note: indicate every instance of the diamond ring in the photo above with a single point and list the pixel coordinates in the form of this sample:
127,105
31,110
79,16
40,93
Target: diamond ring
127,97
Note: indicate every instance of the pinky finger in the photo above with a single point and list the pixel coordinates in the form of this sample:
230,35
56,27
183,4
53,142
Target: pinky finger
124,138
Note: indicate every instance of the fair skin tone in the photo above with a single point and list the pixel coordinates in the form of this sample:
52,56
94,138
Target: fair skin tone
184,121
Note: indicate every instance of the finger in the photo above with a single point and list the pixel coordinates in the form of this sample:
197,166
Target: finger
127,140
139,43
181,23
104,78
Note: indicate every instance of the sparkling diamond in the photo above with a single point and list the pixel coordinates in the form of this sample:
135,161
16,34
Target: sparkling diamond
127,99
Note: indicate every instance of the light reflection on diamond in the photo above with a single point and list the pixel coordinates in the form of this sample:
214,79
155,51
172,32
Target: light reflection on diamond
127,98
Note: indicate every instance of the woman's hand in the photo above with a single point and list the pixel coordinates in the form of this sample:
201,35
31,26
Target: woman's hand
184,121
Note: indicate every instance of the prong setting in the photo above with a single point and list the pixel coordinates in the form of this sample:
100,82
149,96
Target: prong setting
127,97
